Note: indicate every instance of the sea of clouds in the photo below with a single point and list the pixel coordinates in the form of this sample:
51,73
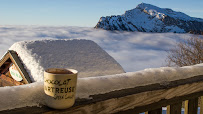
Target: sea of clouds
133,50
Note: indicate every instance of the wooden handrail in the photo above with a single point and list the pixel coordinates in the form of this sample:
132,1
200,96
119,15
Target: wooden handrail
148,98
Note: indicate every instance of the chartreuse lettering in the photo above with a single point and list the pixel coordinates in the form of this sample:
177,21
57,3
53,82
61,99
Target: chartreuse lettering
58,86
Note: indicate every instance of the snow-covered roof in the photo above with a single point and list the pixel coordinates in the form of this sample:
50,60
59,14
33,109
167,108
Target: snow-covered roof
83,55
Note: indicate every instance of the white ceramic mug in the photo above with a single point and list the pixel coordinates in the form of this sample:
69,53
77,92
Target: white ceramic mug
60,87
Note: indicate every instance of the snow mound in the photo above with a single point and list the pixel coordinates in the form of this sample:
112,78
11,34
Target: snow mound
162,76
83,55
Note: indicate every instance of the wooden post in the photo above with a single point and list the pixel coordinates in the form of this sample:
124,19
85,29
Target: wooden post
191,106
201,105
174,108
156,111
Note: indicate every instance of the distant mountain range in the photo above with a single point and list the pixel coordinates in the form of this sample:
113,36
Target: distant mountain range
150,18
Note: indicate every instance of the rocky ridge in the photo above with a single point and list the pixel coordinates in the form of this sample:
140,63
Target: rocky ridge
150,18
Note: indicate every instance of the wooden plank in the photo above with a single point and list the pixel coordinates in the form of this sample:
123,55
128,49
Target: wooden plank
28,110
14,58
201,105
4,59
7,81
156,111
174,108
166,101
191,106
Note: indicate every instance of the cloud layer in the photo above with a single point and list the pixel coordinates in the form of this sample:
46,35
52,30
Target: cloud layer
133,50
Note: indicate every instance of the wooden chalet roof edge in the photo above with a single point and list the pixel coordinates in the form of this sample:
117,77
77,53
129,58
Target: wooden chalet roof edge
13,56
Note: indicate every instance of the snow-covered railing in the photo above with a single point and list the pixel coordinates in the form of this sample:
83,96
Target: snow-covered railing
143,91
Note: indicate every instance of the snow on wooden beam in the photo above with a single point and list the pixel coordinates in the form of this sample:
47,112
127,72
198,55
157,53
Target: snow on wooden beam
138,99
121,92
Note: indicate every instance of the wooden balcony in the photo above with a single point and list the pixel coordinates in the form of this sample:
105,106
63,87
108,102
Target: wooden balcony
149,99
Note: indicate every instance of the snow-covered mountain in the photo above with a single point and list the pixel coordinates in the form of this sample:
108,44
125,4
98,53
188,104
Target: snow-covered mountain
149,18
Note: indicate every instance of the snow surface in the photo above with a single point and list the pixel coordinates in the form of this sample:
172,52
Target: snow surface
33,95
83,55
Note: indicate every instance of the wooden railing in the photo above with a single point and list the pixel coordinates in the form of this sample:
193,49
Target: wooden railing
150,98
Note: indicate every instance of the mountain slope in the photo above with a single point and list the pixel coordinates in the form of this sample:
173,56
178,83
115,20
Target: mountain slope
149,18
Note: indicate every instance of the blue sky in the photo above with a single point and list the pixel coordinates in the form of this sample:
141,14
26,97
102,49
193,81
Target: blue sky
81,12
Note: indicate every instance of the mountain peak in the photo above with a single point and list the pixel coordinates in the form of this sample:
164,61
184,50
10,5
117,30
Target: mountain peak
149,18
163,12
145,5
